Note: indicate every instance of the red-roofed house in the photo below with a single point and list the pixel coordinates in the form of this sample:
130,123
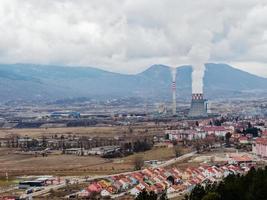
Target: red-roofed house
94,187
216,130
243,140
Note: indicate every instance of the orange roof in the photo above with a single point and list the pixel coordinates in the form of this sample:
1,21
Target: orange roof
242,158
213,128
262,141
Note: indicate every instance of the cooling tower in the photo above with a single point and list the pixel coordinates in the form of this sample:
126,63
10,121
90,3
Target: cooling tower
198,106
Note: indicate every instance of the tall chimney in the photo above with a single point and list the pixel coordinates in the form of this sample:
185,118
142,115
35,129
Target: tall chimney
173,71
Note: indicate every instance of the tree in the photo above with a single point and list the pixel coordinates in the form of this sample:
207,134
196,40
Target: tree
197,193
138,162
227,138
251,186
130,129
144,195
177,150
174,142
211,196
163,196
198,145
252,130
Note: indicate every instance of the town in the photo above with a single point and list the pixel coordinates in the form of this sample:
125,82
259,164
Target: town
157,153
133,100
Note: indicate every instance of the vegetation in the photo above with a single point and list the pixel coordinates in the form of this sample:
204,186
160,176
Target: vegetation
138,162
252,130
251,186
227,138
177,150
142,146
144,195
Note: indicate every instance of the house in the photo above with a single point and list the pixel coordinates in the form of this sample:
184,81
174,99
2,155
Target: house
171,189
259,147
84,193
94,187
219,131
142,185
236,159
243,140
180,135
4,142
124,184
135,191
264,134
105,193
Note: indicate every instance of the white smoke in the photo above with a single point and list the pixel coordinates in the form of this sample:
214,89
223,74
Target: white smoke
199,55
197,78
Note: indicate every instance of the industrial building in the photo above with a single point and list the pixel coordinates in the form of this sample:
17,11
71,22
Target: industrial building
198,106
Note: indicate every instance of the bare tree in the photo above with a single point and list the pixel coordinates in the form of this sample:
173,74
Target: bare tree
227,139
177,150
198,145
138,162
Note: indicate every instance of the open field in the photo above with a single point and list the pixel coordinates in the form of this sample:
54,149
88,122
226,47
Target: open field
5,183
85,131
218,156
58,164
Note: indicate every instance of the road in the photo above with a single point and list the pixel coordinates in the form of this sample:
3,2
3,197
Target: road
174,160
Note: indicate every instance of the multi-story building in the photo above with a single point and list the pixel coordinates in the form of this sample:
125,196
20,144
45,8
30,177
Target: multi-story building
259,147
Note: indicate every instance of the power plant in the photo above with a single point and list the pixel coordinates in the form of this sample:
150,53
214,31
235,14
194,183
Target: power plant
198,106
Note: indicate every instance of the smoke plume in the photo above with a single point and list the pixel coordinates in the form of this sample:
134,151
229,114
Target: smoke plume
199,55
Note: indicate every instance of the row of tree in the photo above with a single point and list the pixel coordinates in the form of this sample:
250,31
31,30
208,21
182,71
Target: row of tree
144,195
252,186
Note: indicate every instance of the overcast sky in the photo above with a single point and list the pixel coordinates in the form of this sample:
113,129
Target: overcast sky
130,35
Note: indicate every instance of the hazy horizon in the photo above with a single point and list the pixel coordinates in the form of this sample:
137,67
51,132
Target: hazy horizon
242,68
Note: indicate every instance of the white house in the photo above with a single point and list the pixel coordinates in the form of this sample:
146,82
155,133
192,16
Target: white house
135,191
105,193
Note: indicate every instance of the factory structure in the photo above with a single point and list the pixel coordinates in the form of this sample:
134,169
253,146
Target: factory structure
198,106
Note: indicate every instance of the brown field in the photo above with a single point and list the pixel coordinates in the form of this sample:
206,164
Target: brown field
58,164
85,131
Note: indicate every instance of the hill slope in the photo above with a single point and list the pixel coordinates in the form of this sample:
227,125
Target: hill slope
34,82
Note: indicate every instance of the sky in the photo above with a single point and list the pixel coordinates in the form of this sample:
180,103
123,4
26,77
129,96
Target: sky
130,35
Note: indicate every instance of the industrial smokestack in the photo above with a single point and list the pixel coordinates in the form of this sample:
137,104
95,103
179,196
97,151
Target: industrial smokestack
173,72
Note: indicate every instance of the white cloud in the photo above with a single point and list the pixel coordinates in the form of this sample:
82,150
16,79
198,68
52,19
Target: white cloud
129,35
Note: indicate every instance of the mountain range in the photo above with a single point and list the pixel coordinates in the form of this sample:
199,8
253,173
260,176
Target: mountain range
28,82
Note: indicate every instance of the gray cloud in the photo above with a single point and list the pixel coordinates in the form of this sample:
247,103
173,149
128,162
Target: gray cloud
127,35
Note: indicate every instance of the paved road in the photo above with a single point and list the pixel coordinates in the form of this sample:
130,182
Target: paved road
174,160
